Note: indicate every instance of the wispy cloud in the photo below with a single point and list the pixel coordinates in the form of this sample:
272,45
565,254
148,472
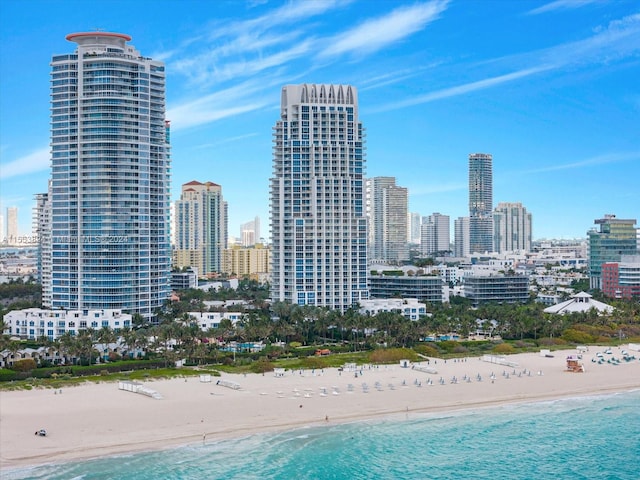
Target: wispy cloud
377,33
277,47
603,159
235,100
225,141
461,89
390,78
31,163
620,39
561,5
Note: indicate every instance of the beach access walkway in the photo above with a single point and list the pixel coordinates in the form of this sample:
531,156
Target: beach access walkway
136,387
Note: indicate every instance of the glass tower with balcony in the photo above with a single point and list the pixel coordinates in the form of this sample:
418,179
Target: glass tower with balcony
110,179
318,222
480,202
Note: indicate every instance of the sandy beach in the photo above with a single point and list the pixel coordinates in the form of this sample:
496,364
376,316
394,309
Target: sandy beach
95,420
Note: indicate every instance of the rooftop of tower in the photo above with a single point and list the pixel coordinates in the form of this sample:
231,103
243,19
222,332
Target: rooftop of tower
98,37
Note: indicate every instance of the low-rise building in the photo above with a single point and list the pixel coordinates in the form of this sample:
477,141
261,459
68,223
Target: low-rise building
499,288
622,279
33,323
425,288
410,308
208,320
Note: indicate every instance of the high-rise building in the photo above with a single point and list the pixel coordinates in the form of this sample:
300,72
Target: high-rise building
615,237
246,261
201,227
250,233
386,209
511,228
435,234
12,225
413,231
318,222
42,232
480,202
461,237
110,180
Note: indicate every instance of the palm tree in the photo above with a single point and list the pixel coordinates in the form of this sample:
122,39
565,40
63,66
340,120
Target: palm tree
105,336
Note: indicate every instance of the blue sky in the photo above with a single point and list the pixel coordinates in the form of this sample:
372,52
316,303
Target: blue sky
550,88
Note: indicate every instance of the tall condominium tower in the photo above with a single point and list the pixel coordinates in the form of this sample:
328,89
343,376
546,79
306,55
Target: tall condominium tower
480,202
386,210
318,222
511,228
461,237
413,228
435,235
42,231
12,225
201,227
615,237
110,180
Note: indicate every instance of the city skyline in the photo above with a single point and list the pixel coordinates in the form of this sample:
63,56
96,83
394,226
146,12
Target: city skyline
555,106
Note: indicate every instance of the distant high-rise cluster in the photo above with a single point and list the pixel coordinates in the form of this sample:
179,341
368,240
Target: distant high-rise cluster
201,227
250,233
386,207
318,220
108,229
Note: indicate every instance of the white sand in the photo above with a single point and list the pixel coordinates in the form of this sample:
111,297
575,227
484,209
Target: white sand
99,419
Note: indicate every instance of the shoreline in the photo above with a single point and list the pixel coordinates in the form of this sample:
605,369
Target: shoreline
95,420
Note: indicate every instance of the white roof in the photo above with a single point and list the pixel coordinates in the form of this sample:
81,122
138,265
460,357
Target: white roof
580,302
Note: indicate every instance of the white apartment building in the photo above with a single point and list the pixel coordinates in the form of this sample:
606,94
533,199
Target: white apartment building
318,222
435,234
207,320
33,323
462,246
410,308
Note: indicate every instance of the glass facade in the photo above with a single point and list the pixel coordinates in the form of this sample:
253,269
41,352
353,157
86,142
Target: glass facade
614,238
480,202
110,178
496,289
318,222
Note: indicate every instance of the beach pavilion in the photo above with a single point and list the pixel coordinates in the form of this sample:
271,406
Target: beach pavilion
579,303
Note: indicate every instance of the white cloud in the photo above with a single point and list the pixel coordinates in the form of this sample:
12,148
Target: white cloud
618,40
461,89
33,162
561,5
373,35
225,141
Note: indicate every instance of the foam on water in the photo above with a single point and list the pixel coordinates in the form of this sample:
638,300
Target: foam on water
578,438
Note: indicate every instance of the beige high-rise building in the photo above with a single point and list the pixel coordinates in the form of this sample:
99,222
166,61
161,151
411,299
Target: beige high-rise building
246,261
386,210
201,227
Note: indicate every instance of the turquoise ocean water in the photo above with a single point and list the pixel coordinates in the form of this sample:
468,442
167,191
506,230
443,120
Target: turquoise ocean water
580,438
